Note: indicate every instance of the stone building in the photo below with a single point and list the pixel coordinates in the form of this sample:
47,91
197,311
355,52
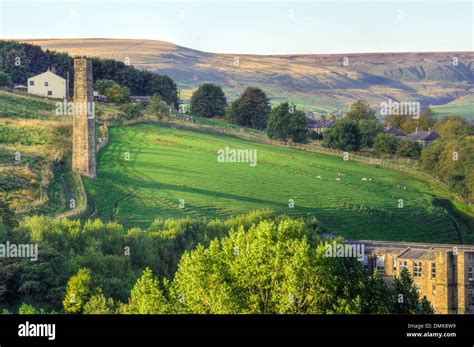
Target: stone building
84,131
423,137
443,273
320,125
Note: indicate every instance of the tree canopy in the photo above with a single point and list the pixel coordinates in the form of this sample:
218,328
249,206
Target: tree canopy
287,123
453,126
251,109
344,135
360,110
208,101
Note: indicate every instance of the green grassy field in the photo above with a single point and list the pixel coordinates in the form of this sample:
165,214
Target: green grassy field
463,110
167,165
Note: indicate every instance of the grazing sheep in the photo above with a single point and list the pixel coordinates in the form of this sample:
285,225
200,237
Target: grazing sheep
370,179
318,177
338,179
364,178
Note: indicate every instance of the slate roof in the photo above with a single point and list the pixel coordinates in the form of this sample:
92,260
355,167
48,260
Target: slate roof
319,123
410,250
396,132
423,135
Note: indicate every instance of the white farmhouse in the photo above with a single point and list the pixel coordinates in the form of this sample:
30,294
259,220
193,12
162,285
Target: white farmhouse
48,84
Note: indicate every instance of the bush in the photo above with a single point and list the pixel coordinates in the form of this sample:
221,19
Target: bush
409,149
156,106
385,144
360,110
118,94
102,85
5,80
131,111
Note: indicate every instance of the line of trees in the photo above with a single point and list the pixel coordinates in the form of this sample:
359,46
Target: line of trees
252,110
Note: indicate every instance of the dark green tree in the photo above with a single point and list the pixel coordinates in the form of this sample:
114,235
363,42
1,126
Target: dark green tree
369,129
251,109
208,101
5,80
287,123
344,135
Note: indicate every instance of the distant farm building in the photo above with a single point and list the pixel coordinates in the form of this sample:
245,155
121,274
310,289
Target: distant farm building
393,131
100,98
319,125
20,88
139,98
422,137
48,84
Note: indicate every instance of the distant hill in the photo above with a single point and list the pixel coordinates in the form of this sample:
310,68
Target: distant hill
320,83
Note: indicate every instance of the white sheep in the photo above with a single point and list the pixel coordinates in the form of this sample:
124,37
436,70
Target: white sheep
364,179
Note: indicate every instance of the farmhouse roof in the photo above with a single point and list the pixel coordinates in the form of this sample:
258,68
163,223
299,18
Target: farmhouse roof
396,132
409,250
49,72
429,135
319,123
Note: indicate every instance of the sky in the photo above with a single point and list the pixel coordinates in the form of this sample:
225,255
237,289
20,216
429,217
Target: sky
253,27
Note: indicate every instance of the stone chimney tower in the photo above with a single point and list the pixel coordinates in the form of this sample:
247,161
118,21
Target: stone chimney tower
83,132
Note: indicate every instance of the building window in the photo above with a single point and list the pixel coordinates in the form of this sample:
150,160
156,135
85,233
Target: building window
395,263
471,292
403,265
417,269
470,273
365,261
433,270
32,83
433,288
50,93
46,84
381,264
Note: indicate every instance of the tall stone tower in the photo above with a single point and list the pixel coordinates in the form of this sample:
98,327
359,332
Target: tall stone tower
84,133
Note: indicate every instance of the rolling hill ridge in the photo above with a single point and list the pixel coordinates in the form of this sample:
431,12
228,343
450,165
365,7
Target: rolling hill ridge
321,83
